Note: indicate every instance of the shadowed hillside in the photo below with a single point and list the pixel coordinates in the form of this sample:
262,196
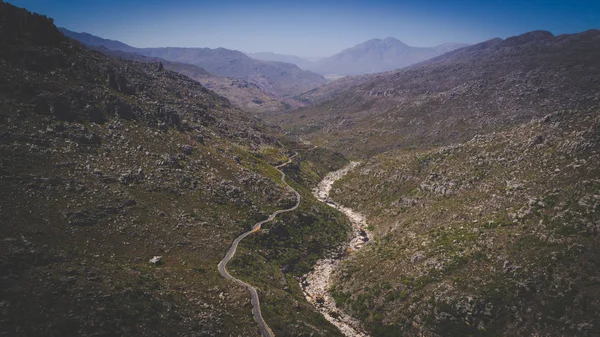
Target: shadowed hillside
107,163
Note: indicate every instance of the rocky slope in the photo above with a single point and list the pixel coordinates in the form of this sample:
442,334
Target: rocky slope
497,236
376,55
122,185
489,86
279,78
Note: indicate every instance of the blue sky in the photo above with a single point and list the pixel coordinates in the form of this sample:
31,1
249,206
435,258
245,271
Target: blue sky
312,28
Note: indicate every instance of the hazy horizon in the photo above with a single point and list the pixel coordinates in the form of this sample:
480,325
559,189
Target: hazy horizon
312,28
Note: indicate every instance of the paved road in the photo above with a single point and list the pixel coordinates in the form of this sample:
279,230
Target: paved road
262,325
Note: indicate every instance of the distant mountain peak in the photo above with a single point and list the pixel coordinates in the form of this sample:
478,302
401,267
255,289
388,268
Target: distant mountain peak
378,45
392,41
377,55
539,34
366,43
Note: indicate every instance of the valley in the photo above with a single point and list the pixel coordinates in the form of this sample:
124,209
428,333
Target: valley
182,191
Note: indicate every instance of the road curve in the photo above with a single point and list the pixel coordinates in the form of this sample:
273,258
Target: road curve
262,325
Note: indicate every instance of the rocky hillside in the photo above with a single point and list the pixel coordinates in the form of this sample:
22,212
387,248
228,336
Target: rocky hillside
477,89
376,55
279,78
497,236
122,185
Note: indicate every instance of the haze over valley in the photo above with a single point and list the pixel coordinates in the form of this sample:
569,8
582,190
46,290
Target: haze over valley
320,168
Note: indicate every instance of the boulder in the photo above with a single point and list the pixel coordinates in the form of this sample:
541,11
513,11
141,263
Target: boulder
156,260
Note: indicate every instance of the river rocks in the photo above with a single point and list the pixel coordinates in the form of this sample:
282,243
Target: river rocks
317,283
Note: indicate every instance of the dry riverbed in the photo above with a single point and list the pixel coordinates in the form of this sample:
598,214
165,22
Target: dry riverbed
317,283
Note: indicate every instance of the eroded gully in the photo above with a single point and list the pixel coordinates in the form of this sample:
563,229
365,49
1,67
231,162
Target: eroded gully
317,283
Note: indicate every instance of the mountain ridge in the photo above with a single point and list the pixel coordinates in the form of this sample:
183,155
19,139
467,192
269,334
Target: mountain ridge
474,89
245,95
95,41
379,55
280,78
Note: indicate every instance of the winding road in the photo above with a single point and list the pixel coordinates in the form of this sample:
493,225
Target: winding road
262,325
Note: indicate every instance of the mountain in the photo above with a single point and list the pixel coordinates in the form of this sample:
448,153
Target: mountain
376,55
243,94
479,181
485,87
373,56
268,56
279,78
106,163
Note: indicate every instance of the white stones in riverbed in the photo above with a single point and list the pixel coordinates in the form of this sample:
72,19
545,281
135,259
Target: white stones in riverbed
317,283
